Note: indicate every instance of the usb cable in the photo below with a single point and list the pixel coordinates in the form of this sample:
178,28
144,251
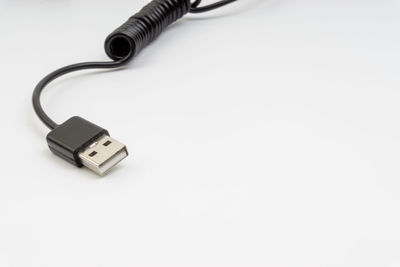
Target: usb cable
81,142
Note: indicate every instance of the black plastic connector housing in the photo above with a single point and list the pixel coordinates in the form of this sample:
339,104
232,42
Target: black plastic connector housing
72,137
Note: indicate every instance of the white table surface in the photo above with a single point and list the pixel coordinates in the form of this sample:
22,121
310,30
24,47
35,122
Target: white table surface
263,134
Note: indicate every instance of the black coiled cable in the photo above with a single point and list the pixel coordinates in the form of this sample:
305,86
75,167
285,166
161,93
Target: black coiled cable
128,40
144,27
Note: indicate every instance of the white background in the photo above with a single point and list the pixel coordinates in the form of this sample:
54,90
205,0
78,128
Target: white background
263,134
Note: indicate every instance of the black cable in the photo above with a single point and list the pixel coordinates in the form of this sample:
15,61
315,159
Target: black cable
81,142
127,41
196,9
63,71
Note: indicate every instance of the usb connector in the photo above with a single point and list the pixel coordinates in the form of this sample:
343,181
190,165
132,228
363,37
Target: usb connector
103,154
83,143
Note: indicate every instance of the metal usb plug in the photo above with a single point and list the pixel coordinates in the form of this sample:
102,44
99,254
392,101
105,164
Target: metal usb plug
83,143
103,154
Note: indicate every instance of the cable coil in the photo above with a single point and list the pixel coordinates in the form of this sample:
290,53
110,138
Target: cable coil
144,27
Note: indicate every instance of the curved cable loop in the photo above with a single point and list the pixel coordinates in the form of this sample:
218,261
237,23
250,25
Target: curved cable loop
196,9
63,71
153,17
